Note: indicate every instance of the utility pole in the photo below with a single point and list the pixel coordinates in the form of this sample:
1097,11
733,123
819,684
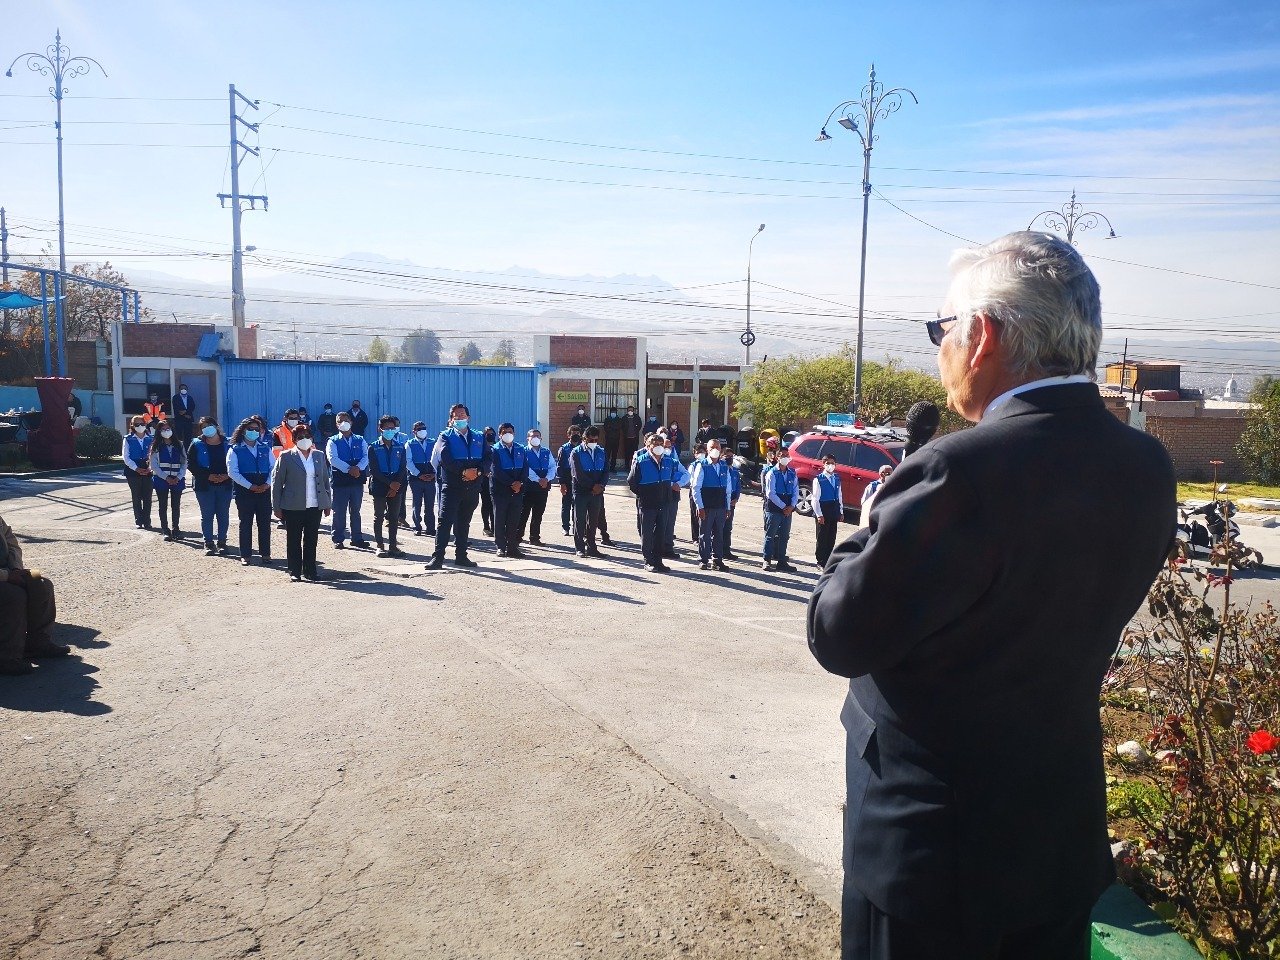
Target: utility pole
239,150
748,338
4,271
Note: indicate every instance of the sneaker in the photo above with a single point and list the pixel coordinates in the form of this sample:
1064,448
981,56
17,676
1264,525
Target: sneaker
650,568
222,549
515,553
418,532
435,563
464,562
244,561
139,526
210,550
718,566
567,532
383,551
784,567
311,577
593,552
705,565
14,668
295,577
661,568
395,551
766,565
605,541
582,553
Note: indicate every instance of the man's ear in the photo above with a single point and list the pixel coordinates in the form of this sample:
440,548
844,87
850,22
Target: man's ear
984,340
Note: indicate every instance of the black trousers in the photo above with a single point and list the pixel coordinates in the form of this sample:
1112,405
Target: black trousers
254,508
587,508
694,529
827,530
140,493
566,509
388,509
169,503
651,534
535,505
508,508
302,529
486,505
27,615
611,447
867,933
629,447
457,505
424,504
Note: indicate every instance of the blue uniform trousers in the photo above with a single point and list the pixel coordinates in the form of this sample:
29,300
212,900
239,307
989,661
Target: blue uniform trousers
424,504
711,534
215,504
254,508
535,504
508,508
777,533
587,509
346,504
652,529
457,503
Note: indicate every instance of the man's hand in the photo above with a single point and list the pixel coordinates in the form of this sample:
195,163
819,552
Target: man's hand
353,471
393,490
787,511
327,512
516,486
675,488
702,513
598,488
564,489
545,484
217,478
171,481
821,520
427,476
470,474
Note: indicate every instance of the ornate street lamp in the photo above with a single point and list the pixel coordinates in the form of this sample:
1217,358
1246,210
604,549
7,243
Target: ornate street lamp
860,116
58,63
1072,217
748,338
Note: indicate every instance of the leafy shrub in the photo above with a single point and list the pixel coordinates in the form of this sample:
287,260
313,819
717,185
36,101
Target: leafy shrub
98,443
1209,811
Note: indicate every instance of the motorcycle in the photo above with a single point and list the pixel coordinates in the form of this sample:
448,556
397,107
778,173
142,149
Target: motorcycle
1210,532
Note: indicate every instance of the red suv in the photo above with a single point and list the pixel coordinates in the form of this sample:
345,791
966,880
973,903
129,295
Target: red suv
859,454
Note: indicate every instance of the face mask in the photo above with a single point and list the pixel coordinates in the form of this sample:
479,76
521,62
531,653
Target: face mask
460,426
154,399
389,434
328,409
668,451
139,429
210,431
508,437
591,445
251,435
183,392
355,406
166,434
304,444
344,426
292,423
535,442
581,411
713,454
829,468
784,462
658,452
420,434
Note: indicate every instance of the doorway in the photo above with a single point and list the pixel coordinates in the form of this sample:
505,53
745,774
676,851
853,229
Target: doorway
201,386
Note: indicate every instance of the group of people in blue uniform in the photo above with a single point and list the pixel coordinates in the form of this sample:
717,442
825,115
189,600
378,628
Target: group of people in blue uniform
435,483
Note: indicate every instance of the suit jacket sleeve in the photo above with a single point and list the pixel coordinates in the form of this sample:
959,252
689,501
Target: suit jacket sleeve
277,482
922,562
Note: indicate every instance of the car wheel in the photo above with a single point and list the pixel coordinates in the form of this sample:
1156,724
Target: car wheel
804,507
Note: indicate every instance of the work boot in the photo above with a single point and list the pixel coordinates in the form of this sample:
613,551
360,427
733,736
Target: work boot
464,561
436,563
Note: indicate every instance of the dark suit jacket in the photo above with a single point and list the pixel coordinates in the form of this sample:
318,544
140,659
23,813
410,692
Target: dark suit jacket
976,616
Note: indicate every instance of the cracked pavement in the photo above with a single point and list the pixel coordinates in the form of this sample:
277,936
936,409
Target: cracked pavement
401,764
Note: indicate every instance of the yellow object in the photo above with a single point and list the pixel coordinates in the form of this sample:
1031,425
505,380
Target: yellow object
763,442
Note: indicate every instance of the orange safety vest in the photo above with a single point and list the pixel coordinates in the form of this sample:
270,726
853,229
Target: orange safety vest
153,411
285,436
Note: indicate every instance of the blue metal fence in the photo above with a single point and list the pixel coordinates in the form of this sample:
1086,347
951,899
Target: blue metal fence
410,391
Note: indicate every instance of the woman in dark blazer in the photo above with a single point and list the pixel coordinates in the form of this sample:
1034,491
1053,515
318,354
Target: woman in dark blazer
300,492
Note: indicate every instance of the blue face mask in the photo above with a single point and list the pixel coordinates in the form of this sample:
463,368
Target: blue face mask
460,426
210,431
251,435
389,434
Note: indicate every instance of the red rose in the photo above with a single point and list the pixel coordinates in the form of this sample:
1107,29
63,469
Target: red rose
1260,742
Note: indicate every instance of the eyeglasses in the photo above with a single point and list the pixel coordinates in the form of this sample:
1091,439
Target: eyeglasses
936,330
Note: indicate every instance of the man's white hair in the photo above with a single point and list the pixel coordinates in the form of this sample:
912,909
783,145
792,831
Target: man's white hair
1042,295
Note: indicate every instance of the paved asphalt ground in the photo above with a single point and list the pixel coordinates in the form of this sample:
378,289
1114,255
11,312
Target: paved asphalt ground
540,758
551,758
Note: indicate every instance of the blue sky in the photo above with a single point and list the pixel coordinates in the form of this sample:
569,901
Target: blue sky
1179,91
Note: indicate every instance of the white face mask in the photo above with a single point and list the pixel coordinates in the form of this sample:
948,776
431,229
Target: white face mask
829,468
508,438
535,442
713,454
668,451
183,392
591,445
304,444
420,434
139,429
344,426
292,423
657,452
166,434
784,462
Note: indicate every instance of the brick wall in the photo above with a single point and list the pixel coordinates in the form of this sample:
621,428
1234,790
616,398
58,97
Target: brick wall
82,364
561,414
248,348
163,339
1193,441
585,353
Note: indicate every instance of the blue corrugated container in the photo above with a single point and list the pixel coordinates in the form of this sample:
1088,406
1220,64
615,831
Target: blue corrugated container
410,391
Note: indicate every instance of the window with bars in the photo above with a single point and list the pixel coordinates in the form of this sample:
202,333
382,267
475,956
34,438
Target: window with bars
615,395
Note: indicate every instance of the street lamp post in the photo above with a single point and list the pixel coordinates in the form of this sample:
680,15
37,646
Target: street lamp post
1072,217
860,116
58,63
748,338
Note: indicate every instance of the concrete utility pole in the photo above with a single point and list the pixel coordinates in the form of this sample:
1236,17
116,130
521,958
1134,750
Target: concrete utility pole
238,151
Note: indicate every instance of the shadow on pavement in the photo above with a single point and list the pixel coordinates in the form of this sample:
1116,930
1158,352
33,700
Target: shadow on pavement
359,583
61,685
510,576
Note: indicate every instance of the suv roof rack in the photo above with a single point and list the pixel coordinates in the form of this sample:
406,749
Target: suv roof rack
882,434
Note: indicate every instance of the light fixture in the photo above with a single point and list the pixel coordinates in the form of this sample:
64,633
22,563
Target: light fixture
849,124
822,135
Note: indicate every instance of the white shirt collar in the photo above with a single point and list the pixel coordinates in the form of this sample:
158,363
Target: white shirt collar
1035,385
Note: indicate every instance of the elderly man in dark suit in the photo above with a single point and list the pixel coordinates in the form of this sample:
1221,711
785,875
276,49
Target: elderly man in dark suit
976,617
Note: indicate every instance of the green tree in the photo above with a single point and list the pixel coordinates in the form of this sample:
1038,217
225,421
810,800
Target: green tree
470,354
419,346
503,356
800,391
87,311
379,351
1259,445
